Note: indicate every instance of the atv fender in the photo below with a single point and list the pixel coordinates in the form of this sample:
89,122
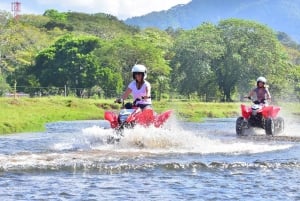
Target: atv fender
270,111
162,118
146,117
112,118
246,111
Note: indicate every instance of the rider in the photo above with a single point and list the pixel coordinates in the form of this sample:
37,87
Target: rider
261,91
139,88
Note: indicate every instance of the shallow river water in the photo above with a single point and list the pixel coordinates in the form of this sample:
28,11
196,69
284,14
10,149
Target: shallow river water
182,161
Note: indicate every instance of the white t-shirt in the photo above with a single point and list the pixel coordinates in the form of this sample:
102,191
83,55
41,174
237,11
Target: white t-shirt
139,93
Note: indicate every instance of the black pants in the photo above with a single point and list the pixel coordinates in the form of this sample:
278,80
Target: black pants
145,106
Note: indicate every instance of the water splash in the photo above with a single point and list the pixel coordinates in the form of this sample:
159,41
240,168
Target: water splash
88,150
173,138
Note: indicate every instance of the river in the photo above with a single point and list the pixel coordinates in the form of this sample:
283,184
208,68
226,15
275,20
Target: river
182,161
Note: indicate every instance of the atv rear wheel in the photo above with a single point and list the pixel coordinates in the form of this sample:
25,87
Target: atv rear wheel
239,126
269,126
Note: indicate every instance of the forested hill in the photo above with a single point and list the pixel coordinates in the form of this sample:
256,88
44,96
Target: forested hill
91,55
280,15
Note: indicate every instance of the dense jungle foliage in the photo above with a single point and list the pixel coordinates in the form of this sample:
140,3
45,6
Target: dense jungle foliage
92,55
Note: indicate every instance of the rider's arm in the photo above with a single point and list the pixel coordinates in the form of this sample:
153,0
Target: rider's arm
251,93
148,91
124,96
268,95
126,93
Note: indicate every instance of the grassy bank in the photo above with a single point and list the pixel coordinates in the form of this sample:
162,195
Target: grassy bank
31,114
197,111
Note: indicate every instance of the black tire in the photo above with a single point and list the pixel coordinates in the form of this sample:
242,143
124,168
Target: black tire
120,131
270,126
279,125
239,126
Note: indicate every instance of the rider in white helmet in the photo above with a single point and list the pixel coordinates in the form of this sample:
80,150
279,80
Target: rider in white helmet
139,87
261,91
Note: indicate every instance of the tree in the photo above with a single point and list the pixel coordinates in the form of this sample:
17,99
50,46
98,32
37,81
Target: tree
102,25
57,19
4,87
252,50
20,44
37,21
68,62
4,17
110,82
161,70
55,15
122,53
191,65
296,81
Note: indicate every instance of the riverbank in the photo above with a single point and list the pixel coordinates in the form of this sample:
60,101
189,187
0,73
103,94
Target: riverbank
31,114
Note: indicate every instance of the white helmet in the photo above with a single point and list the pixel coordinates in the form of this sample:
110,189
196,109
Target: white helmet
139,68
261,79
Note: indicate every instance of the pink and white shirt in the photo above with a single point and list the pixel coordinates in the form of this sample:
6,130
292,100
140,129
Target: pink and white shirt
139,93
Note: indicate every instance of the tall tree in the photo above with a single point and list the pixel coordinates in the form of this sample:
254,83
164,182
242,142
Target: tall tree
4,17
252,50
20,44
194,52
68,62
161,70
122,53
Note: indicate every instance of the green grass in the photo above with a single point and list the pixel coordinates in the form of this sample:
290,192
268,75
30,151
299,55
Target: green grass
31,114
197,111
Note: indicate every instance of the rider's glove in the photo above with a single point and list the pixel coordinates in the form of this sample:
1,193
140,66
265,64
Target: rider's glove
119,100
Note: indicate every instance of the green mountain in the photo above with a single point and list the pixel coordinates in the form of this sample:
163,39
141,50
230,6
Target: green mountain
280,15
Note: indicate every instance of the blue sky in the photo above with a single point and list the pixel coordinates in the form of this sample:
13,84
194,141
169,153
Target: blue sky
122,9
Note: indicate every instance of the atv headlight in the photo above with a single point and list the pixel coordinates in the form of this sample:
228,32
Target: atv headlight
123,118
254,112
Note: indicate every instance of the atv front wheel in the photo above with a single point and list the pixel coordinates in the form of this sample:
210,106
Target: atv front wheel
239,126
269,126
279,125
112,139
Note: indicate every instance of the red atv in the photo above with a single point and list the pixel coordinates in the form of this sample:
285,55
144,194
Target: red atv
130,115
260,115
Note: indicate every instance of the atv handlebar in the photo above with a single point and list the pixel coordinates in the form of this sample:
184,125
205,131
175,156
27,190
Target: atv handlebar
263,101
142,98
121,100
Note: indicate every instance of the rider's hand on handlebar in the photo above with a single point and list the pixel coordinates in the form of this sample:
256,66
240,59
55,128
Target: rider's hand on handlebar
119,100
249,97
145,97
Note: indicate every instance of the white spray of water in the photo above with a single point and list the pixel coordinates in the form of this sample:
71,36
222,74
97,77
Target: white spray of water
291,122
173,138
90,148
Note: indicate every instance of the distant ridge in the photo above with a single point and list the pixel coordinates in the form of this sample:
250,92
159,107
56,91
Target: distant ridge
280,15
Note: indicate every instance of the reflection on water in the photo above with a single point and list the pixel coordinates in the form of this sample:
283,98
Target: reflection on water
72,160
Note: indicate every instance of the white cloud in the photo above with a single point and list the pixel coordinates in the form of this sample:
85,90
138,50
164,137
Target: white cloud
5,6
